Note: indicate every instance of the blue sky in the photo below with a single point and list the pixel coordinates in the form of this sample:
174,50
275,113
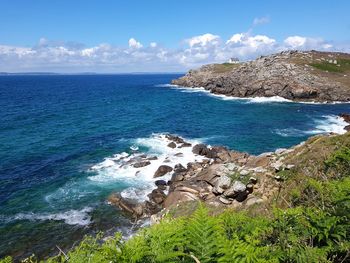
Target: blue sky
47,35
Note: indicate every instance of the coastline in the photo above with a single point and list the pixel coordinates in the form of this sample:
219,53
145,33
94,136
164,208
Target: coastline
219,177
248,99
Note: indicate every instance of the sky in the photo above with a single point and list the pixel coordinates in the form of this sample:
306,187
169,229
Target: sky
71,36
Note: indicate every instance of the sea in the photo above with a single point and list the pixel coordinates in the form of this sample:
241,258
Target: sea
65,141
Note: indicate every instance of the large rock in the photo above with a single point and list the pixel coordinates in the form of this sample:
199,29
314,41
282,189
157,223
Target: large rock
130,207
162,170
157,196
223,182
174,138
236,189
177,197
200,149
345,116
141,164
172,145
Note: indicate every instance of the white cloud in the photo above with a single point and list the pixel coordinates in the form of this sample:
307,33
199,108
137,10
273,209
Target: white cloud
299,42
203,40
295,41
134,44
261,20
207,48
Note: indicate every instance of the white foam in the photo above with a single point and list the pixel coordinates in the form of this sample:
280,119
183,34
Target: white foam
271,99
70,217
167,86
328,124
140,180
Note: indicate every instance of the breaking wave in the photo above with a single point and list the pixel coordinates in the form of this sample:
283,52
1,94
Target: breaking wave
70,217
327,124
123,167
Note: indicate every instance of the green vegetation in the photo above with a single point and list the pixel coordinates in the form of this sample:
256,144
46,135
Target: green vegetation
224,67
342,66
308,221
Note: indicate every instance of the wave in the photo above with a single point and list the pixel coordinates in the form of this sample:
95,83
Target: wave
70,217
271,99
328,124
139,180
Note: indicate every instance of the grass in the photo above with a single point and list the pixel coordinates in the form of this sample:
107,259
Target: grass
342,66
224,67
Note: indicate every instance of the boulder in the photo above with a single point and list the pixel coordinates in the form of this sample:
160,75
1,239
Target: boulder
200,149
162,170
141,164
223,182
253,200
236,189
174,138
345,116
179,168
225,200
208,175
157,196
126,205
152,158
185,144
177,197
172,145
160,182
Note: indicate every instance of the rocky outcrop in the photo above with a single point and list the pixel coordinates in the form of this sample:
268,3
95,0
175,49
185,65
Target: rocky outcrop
162,170
224,179
292,75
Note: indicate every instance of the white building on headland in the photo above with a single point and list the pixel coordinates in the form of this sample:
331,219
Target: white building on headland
233,61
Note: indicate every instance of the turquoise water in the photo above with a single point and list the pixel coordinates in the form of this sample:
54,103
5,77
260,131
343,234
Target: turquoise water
60,136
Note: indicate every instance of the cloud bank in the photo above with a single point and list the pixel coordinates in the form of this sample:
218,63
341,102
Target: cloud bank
69,57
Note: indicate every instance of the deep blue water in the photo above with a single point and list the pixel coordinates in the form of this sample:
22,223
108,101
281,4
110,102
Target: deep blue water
55,128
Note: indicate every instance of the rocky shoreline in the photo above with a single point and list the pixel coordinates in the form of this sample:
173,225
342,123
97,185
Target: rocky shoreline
293,75
223,178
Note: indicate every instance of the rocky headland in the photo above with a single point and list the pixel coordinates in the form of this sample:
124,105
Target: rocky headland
225,178
294,75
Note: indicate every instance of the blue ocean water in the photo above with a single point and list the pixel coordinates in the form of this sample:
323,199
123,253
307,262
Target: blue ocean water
61,136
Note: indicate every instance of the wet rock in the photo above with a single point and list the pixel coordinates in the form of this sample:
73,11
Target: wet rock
185,144
126,205
162,170
142,164
174,138
172,145
200,149
157,196
345,116
160,182
152,158
179,154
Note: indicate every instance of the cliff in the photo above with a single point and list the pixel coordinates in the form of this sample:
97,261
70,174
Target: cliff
299,76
